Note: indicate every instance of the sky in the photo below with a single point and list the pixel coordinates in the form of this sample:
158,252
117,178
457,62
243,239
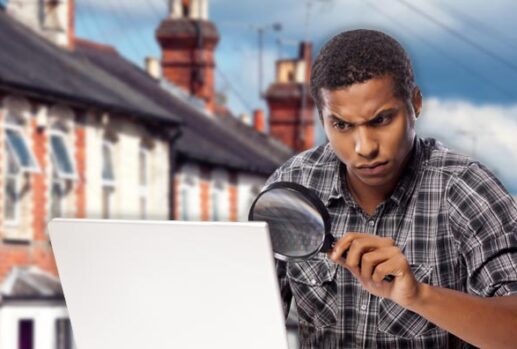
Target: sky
464,54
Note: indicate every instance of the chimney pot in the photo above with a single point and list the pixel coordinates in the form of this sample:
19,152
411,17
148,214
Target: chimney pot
258,120
153,67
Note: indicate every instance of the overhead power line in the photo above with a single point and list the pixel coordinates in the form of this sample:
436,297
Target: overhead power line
479,25
509,64
133,46
241,99
443,52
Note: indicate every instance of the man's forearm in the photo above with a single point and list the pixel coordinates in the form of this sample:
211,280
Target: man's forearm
483,322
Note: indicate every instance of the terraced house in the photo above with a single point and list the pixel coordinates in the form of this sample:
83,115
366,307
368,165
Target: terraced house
86,133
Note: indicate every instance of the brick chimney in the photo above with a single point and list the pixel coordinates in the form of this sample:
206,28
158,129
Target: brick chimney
188,40
291,108
52,19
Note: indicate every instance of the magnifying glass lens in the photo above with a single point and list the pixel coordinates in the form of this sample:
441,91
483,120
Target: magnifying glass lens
296,227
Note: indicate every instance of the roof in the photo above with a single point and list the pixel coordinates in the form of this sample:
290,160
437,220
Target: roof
218,141
30,283
33,66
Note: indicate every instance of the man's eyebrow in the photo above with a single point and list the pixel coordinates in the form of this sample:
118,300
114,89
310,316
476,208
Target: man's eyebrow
382,112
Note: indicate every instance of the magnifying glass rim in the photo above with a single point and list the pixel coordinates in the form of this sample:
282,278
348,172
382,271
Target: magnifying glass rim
312,198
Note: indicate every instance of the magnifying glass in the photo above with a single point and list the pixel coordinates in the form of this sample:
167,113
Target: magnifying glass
299,223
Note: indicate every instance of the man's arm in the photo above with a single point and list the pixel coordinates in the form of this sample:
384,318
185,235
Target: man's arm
483,322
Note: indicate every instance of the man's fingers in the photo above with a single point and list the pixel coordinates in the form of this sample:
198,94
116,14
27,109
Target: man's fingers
395,266
358,247
342,245
370,260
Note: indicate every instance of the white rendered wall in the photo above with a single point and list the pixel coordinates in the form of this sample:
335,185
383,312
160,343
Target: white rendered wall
248,186
44,317
126,201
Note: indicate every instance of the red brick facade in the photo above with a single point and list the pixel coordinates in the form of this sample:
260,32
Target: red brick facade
36,251
80,160
234,203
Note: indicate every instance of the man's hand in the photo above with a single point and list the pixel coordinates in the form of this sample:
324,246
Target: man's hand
370,258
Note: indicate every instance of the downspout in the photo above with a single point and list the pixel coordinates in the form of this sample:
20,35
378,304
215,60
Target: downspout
173,157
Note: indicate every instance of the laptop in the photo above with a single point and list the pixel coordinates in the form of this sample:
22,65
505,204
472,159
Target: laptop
169,284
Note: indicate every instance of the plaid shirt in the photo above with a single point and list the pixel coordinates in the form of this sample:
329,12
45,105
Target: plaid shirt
452,219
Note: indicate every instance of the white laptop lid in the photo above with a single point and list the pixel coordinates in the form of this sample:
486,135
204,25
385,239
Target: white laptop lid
142,284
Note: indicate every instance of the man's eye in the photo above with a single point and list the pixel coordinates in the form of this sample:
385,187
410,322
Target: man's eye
340,125
381,120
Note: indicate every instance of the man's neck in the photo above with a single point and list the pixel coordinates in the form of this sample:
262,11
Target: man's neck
367,197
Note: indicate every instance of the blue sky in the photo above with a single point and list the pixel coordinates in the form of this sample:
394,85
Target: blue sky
464,54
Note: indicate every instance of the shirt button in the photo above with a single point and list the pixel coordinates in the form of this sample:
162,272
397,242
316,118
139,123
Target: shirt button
372,223
313,282
363,307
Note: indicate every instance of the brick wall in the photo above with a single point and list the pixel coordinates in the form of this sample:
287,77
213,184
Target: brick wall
80,160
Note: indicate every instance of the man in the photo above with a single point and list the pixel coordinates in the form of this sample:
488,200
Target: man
439,222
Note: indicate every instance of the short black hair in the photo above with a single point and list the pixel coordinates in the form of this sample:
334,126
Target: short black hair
357,56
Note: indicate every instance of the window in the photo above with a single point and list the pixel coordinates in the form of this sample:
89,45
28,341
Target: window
63,163
19,159
63,170
253,193
215,206
57,193
189,191
217,196
220,196
143,154
12,190
108,179
19,150
64,337
184,204
26,334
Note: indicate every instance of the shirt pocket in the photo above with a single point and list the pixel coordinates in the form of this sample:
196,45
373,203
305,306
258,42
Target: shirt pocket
314,286
398,321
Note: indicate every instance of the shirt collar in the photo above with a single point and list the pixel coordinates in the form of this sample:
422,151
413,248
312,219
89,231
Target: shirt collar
403,189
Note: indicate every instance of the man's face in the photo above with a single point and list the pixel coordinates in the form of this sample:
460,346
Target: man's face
370,130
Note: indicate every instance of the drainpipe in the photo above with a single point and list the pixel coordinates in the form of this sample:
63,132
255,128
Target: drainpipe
174,135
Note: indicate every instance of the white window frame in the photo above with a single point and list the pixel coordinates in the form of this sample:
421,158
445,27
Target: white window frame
108,184
14,124
143,193
61,182
220,196
17,179
34,167
190,191
63,136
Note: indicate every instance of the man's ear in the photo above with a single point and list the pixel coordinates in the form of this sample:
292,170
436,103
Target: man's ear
416,101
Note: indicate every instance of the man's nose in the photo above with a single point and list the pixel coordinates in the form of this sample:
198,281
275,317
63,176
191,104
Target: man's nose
366,145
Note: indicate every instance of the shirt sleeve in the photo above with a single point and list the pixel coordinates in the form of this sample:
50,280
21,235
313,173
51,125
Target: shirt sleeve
484,217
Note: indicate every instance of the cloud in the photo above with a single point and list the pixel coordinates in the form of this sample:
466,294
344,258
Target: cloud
485,132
